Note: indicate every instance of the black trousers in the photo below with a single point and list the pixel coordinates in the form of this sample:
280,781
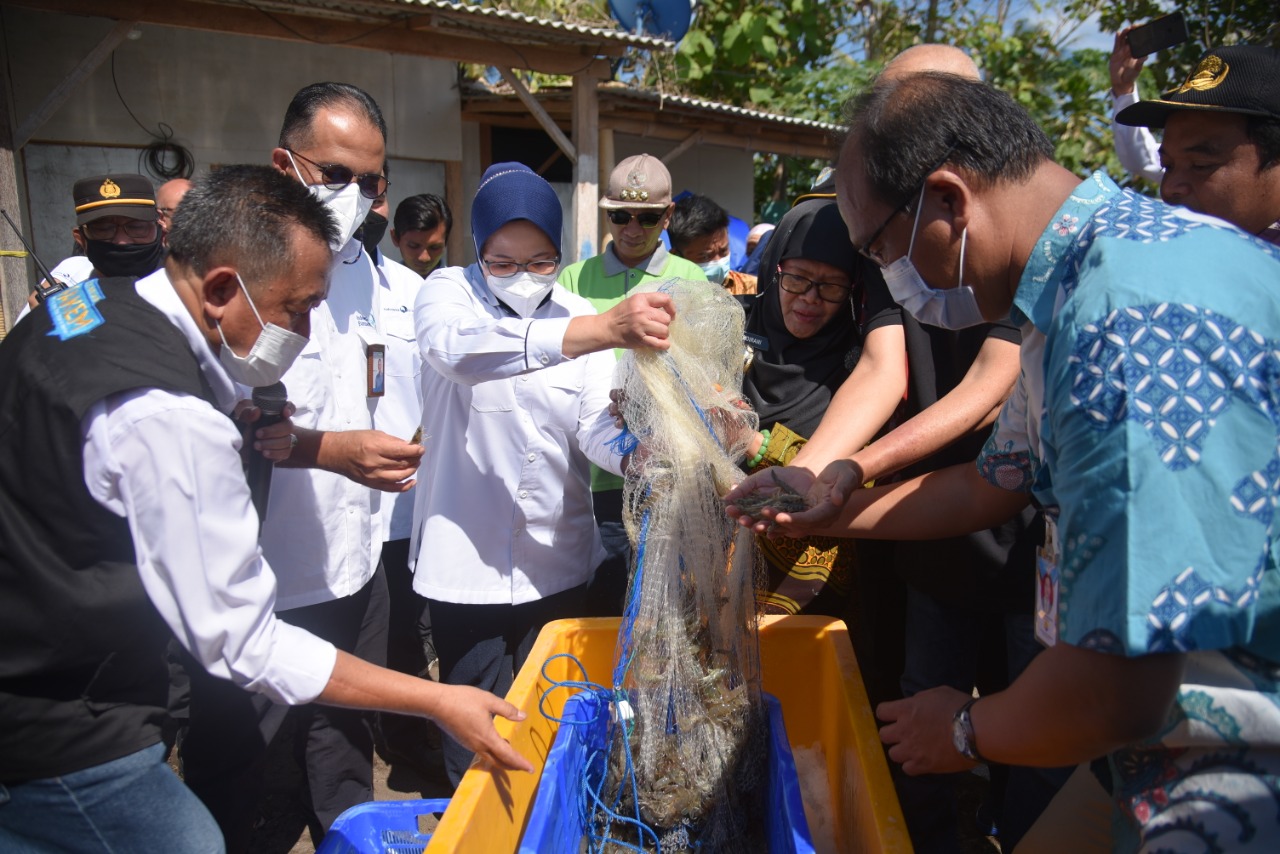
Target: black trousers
485,645
230,729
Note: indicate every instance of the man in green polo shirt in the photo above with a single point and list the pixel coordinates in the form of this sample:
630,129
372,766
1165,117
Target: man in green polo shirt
638,207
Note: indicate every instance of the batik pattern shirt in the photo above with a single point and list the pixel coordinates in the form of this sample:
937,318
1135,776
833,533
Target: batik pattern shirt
1147,420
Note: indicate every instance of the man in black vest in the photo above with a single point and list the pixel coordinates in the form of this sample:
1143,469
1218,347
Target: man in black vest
125,520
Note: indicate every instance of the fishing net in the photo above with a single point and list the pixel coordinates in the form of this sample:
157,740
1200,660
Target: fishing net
687,751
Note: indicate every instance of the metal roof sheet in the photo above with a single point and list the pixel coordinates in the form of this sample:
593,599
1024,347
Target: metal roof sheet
484,17
717,107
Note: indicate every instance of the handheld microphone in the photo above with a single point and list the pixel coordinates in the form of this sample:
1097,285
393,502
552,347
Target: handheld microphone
270,400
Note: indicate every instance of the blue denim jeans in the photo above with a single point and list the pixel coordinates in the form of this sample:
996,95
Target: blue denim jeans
132,804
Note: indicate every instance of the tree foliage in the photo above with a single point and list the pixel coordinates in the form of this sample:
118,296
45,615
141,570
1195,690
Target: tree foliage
805,58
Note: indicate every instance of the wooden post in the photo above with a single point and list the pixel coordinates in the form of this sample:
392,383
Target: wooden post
538,112
457,241
586,169
607,161
15,277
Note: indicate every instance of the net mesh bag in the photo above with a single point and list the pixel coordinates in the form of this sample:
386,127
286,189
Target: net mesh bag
687,752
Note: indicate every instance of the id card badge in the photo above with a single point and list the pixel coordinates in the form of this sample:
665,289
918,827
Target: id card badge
1047,585
375,355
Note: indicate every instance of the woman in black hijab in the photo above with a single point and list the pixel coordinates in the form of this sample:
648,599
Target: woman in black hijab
805,333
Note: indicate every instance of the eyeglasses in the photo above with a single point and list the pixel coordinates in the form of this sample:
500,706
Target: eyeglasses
865,249
801,285
335,176
507,269
648,219
105,229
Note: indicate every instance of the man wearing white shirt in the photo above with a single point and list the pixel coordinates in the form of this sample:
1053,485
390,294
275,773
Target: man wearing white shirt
126,520
515,396
399,414
323,530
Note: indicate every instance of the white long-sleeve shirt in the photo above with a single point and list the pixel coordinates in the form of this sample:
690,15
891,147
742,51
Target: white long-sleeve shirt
1136,147
399,412
170,464
323,531
504,512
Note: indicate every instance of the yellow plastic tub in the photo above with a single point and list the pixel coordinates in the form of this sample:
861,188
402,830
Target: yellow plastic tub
807,663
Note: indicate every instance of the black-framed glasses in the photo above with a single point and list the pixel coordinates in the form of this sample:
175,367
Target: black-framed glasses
507,269
105,229
647,219
335,176
794,283
865,249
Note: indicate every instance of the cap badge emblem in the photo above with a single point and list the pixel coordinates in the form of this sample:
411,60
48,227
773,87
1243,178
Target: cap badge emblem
109,189
1209,74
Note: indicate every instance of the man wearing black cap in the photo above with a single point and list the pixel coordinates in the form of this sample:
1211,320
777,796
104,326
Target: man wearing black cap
1221,146
116,228
116,216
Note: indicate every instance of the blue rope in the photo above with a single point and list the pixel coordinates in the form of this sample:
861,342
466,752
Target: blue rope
591,804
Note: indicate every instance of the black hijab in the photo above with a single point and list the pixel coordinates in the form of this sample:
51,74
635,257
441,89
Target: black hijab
792,380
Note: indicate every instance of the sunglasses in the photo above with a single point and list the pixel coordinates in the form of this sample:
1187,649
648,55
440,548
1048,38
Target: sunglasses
335,176
648,219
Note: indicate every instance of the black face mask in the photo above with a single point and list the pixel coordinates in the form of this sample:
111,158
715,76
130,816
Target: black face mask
371,231
125,259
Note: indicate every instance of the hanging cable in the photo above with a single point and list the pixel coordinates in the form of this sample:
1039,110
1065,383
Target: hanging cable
162,158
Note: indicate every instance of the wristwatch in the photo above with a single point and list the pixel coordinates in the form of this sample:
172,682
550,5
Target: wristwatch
966,743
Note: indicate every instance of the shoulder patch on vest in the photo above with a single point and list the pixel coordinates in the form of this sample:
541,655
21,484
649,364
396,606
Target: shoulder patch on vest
74,311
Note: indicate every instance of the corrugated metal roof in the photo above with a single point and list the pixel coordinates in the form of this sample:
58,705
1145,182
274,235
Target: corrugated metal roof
716,107
485,18
608,33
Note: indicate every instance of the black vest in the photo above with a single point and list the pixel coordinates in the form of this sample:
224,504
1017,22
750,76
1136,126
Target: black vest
83,678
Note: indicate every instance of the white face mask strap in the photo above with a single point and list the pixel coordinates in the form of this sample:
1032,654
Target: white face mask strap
296,171
964,238
914,228
253,307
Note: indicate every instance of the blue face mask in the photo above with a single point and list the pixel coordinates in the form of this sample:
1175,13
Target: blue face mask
716,270
947,308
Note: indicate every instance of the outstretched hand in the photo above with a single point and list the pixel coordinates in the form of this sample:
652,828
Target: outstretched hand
824,498
372,458
641,320
466,713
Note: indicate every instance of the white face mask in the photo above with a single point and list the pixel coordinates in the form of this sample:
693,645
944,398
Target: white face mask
269,357
949,308
347,205
716,270
523,292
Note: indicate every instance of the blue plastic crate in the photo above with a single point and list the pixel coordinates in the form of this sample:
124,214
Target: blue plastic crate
381,827
555,825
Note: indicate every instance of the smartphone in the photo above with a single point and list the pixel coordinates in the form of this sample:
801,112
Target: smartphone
1157,35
